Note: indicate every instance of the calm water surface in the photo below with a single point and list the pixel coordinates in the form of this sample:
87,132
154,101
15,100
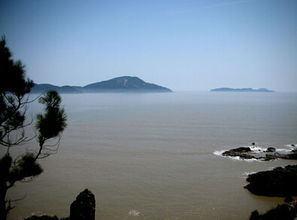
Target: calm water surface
154,153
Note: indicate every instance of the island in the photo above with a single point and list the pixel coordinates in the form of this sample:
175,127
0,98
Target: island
118,84
240,90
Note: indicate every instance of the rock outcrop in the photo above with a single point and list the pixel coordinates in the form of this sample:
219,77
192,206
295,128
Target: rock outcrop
83,208
270,153
281,182
242,152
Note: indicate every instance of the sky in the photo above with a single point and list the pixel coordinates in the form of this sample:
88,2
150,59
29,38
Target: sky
186,45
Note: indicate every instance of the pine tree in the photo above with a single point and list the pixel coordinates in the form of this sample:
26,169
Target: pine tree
14,100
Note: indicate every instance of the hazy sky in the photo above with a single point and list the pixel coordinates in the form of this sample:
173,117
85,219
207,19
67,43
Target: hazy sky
181,44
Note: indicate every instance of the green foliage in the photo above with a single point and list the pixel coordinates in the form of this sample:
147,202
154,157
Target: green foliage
53,121
24,167
13,87
12,74
51,99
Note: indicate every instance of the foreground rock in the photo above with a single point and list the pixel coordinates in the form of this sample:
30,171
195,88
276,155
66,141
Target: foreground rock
281,182
270,153
83,208
281,212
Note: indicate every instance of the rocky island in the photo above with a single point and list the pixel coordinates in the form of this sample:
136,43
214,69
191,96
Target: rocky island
118,84
270,153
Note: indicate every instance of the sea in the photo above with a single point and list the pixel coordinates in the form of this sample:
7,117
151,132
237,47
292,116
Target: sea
157,156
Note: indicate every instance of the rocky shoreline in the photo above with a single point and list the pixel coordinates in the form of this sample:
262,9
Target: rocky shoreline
279,182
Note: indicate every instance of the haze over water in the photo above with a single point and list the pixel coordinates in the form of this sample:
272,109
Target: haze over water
152,155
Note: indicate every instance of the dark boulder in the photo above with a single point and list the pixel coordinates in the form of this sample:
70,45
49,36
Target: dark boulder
83,208
242,152
271,149
281,182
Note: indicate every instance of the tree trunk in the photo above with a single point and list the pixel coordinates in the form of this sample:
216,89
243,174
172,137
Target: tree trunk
3,190
5,164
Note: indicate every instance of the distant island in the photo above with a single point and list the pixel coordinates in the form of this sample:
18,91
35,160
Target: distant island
240,90
118,84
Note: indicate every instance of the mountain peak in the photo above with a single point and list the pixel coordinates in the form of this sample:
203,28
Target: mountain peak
125,81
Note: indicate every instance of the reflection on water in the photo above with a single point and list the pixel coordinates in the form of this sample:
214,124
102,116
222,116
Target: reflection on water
150,156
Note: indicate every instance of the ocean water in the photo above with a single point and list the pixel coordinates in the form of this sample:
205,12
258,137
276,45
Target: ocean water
156,156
